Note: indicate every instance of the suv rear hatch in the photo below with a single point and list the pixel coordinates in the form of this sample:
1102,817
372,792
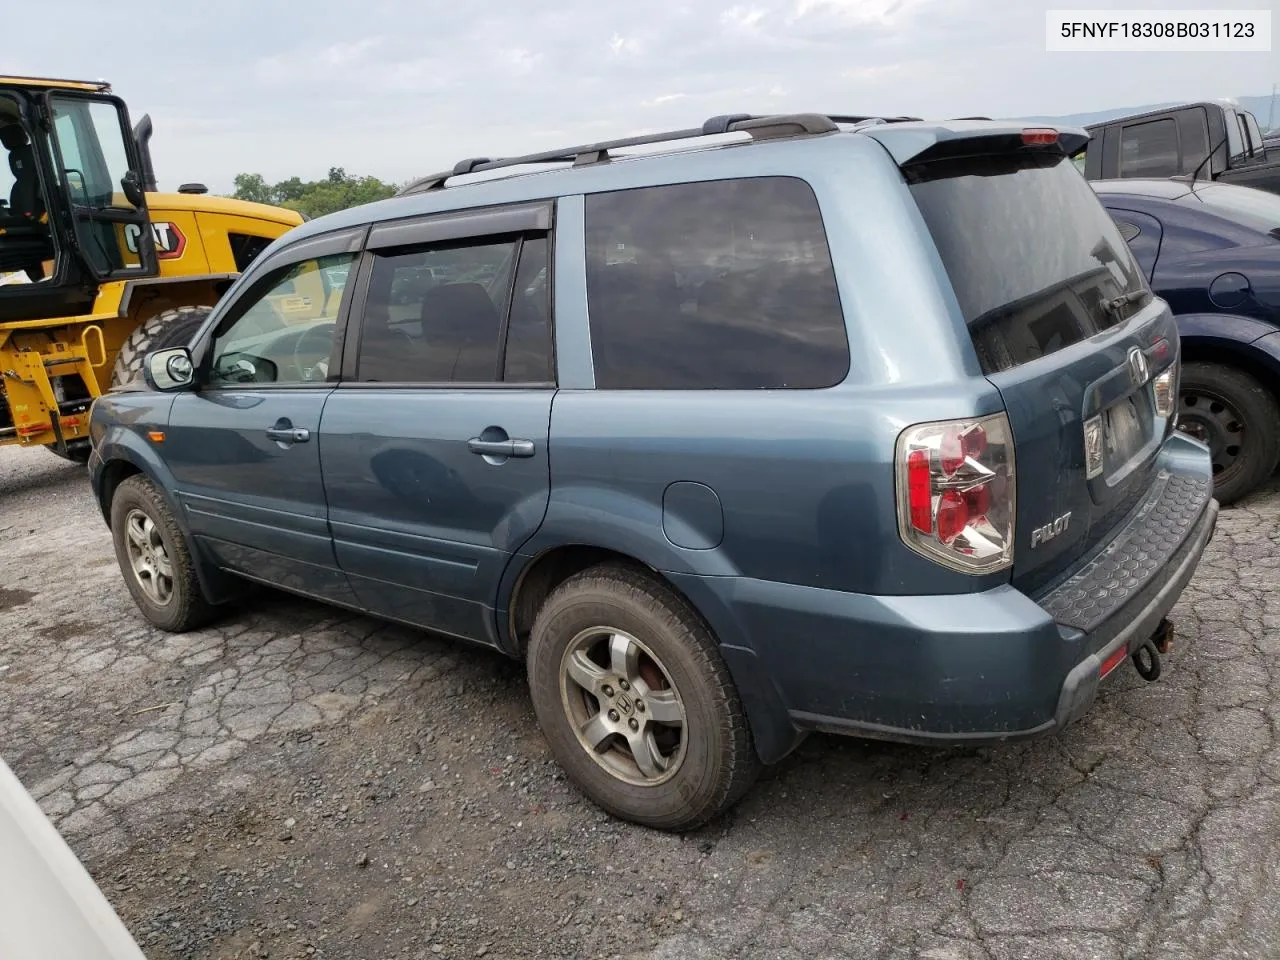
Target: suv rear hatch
1063,324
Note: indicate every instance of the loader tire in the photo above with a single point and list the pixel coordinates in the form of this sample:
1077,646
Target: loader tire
170,328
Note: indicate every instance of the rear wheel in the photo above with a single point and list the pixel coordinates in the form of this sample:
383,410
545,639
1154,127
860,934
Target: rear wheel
1238,419
170,328
636,702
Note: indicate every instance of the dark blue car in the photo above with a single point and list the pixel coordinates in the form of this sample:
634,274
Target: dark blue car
1213,252
818,425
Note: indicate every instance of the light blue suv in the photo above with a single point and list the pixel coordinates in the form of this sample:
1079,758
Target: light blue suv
793,423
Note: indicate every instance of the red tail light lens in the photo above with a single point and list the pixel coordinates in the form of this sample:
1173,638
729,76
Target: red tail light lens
956,492
1039,136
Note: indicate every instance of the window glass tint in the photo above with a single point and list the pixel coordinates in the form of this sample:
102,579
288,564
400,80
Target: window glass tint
528,352
1033,257
1149,149
1127,230
1255,134
720,285
435,315
1194,133
286,334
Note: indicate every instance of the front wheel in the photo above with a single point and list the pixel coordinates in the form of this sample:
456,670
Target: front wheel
636,702
1238,419
154,559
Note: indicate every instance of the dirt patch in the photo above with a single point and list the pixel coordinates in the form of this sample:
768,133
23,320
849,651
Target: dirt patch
64,631
13,597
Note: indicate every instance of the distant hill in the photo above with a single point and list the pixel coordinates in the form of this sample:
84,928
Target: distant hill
1260,107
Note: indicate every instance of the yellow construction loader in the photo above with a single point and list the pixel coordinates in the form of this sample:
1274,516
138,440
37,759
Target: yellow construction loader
96,266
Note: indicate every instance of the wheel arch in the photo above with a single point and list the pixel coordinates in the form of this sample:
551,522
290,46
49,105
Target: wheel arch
1249,345
121,459
533,575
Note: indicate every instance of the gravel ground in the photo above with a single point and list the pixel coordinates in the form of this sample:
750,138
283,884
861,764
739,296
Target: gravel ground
298,782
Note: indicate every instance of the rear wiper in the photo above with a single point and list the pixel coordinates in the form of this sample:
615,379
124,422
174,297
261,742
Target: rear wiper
1116,304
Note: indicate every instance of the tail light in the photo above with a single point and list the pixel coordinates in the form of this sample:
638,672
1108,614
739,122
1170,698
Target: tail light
1039,136
955,482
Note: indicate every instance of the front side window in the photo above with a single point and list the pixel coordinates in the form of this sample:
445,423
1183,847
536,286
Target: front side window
437,314
1255,134
1149,149
722,285
1236,147
286,335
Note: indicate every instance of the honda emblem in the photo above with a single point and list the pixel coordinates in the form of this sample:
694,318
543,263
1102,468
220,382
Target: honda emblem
1137,366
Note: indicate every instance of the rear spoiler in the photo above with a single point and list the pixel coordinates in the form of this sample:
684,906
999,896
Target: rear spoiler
911,144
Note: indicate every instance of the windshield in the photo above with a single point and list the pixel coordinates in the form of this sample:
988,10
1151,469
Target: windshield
1037,264
1256,209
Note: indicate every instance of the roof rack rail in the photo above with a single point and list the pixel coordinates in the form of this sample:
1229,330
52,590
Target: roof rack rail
758,127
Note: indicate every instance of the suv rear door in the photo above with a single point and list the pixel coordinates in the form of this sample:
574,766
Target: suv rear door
1064,325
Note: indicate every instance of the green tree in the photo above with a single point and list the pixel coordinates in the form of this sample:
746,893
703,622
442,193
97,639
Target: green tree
252,187
338,191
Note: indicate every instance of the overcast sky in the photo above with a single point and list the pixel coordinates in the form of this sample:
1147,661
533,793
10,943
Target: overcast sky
400,88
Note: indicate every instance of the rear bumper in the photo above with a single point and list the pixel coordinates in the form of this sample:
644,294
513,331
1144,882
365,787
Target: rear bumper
972,668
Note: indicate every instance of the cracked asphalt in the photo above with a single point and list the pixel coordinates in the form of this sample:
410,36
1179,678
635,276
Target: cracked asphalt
298,782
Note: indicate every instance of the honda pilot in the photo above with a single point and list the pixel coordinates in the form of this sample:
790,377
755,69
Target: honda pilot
768,426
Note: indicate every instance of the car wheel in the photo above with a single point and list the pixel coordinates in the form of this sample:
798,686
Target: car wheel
636,702
1238,419
154,559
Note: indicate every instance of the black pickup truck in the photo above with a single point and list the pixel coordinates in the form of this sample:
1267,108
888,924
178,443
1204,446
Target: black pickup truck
1212,139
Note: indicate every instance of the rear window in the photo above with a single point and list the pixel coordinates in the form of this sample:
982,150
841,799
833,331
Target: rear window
1036,262
1245,206
1149,149
723,285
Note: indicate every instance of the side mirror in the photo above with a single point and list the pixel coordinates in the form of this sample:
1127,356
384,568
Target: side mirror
169,369
131,184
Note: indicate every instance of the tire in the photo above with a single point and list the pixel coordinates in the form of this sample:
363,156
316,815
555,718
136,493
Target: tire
703,766
139,514
170,328
1238,418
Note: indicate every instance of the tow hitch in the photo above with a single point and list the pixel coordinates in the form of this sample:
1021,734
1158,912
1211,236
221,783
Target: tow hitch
1146,659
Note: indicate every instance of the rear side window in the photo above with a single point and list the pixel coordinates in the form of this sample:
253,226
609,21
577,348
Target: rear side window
1149,149
723,285
1036,262
1193,131
442,314
1128,230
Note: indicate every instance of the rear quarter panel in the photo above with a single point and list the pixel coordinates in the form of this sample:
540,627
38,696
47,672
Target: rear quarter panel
804,478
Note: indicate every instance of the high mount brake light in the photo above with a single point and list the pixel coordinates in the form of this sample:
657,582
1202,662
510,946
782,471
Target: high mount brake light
1039,136
955,481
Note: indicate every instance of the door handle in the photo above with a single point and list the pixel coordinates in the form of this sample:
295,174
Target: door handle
500,448
289,434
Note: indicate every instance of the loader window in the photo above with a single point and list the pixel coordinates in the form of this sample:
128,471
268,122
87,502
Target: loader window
93,149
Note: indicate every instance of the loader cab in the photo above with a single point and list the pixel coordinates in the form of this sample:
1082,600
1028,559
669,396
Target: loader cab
73,213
